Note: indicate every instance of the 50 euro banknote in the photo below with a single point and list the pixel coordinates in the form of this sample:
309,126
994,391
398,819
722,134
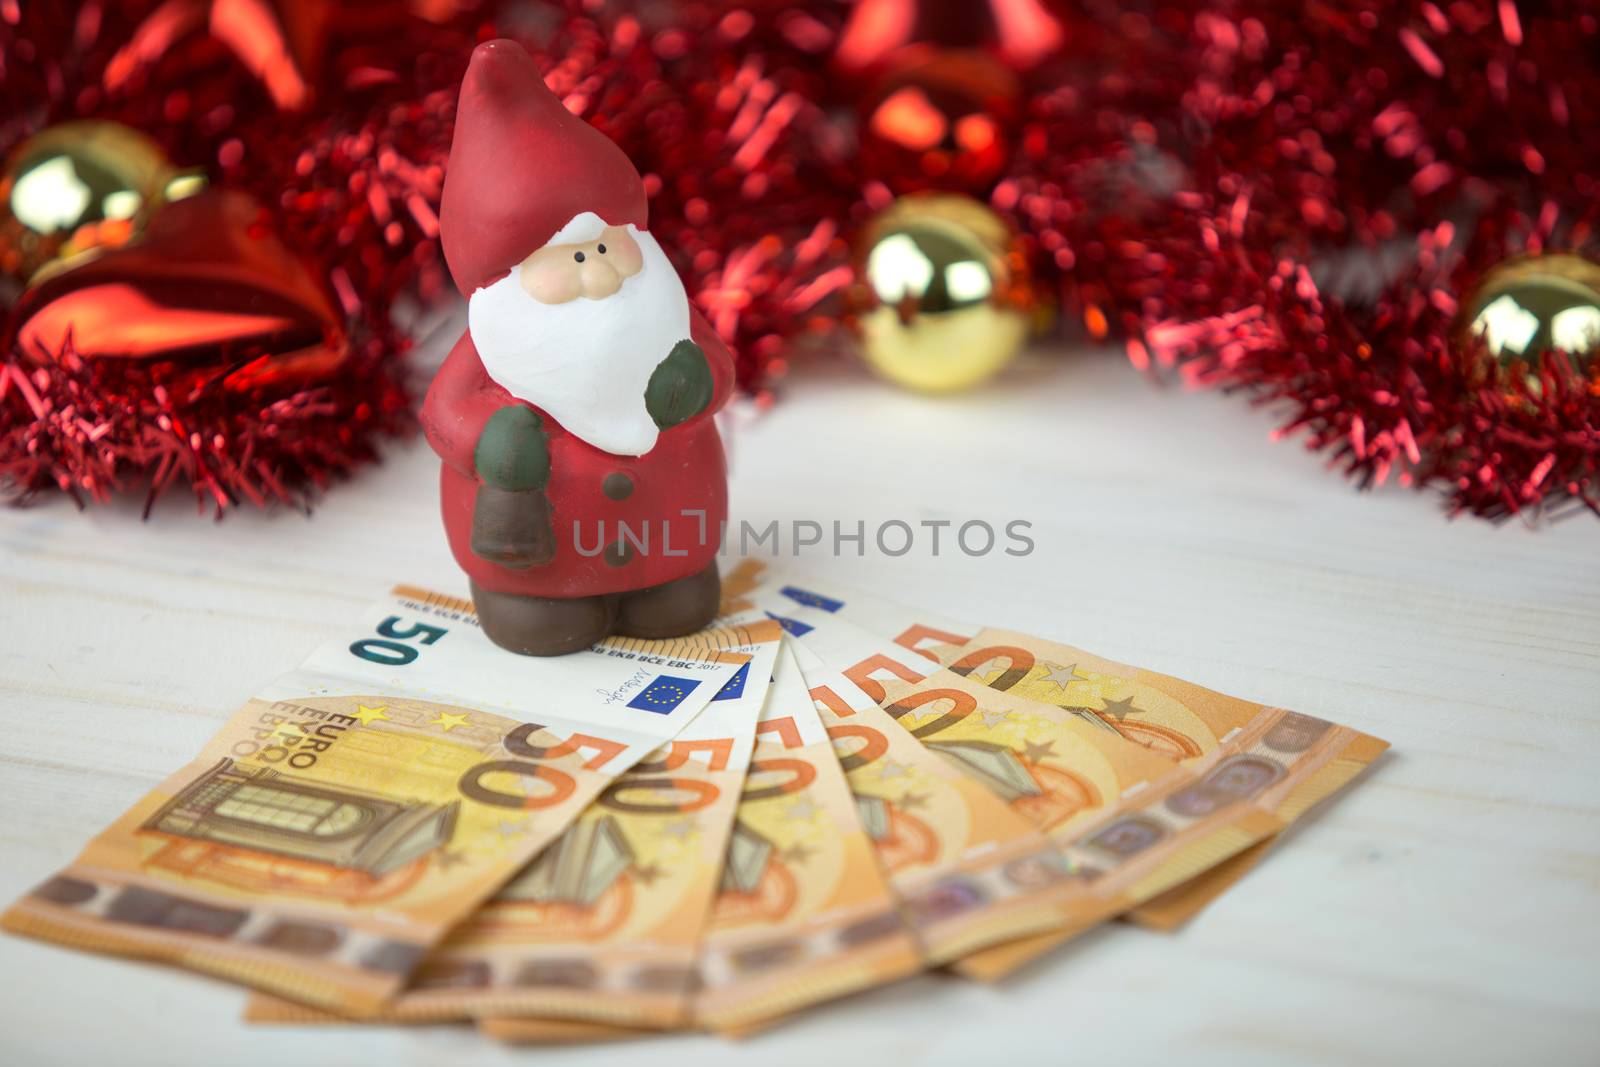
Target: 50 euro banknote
807,603
1129,823
877,667
1046,764
604,925
968,872
345,819
1250,770
804,913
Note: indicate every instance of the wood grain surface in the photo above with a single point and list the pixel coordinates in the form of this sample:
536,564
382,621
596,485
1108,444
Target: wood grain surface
1442,912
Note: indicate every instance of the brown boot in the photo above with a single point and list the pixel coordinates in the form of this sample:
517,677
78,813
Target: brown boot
671,609
543,626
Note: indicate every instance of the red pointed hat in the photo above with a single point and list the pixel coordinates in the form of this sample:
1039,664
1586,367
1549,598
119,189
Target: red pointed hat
521,167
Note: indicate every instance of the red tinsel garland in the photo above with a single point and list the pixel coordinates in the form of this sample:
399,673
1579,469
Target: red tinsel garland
1293,201
1353,171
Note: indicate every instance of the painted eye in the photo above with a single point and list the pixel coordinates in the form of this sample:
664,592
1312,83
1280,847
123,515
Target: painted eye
601,249
578,256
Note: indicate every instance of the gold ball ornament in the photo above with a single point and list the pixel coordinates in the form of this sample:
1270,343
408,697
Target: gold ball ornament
1527,306
943,294
77,188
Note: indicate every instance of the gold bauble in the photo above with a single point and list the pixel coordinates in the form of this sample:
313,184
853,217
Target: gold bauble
1533,304
943,294
77,188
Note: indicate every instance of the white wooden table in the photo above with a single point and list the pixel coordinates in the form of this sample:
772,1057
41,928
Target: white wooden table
1444,911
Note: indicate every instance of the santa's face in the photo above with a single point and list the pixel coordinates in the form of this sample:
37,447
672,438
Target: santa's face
591,270
579,326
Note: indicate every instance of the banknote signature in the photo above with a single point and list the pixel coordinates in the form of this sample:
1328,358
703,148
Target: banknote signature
624,692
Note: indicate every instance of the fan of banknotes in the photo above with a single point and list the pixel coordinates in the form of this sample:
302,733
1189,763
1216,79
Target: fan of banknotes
825,792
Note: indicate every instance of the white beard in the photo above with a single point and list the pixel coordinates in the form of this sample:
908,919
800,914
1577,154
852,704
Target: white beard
586,362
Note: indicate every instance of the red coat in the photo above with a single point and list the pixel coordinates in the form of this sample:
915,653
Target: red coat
685,471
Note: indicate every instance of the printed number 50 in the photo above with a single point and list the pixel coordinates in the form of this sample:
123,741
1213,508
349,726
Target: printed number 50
390,649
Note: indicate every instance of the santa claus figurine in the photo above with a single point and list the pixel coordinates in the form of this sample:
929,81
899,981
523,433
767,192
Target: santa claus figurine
584,485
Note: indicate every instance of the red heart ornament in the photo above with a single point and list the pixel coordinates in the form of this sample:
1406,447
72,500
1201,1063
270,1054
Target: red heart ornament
208,286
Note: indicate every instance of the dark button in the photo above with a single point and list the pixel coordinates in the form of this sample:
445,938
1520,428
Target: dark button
617,486
618,553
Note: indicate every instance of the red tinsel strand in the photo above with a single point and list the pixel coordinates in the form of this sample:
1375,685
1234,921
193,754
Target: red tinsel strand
1349,173
92,428
1389,386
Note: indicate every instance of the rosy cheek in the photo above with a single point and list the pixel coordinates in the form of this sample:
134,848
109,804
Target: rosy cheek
624,255
550,281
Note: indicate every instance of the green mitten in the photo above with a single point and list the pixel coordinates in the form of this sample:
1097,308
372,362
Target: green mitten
513,451
680,387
